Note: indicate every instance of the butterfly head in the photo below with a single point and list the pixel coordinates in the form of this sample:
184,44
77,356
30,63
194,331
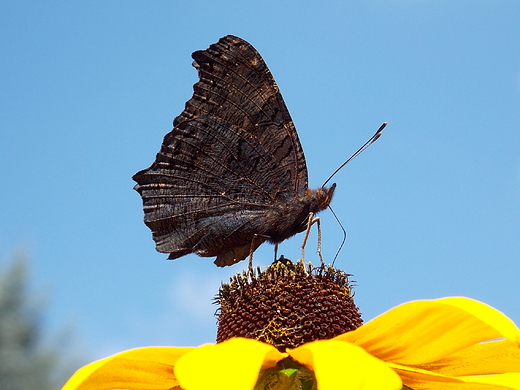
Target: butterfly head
324,197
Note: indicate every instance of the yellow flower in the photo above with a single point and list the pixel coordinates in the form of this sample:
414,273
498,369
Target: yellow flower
449,343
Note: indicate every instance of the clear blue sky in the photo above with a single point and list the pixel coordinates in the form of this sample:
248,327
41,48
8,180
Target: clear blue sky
88,90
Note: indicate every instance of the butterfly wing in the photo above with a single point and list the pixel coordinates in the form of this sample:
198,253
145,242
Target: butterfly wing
236,86
233,153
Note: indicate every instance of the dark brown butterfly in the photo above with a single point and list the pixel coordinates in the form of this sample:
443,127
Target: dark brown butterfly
232,173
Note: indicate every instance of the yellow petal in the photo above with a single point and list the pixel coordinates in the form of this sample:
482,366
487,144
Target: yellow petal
487,314
507,381
423,380
341,365
136,369
419,332
231,365
494,357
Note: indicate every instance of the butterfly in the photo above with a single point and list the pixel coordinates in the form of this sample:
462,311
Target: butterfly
232,173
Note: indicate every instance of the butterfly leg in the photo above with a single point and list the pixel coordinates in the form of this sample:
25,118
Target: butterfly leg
256,241
318,222
251,250
311,221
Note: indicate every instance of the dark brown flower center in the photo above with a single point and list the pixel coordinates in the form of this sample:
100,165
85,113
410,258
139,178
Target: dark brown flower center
287,305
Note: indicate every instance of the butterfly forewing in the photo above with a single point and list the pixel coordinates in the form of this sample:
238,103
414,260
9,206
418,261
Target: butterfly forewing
236,86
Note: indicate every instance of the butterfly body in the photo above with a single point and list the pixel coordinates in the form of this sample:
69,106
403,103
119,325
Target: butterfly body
232,173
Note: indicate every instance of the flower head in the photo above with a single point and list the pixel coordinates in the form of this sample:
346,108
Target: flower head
449,343
287,305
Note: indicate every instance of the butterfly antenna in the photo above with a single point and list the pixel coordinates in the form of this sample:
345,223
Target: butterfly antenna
344,235
361,149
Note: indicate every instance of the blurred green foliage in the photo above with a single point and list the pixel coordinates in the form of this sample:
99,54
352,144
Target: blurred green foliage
25,361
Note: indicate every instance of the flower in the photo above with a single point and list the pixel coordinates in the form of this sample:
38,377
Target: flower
448,343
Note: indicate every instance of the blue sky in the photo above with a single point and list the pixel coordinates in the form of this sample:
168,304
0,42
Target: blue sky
432,209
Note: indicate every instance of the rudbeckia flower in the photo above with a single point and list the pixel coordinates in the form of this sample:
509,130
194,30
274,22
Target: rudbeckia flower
448,343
